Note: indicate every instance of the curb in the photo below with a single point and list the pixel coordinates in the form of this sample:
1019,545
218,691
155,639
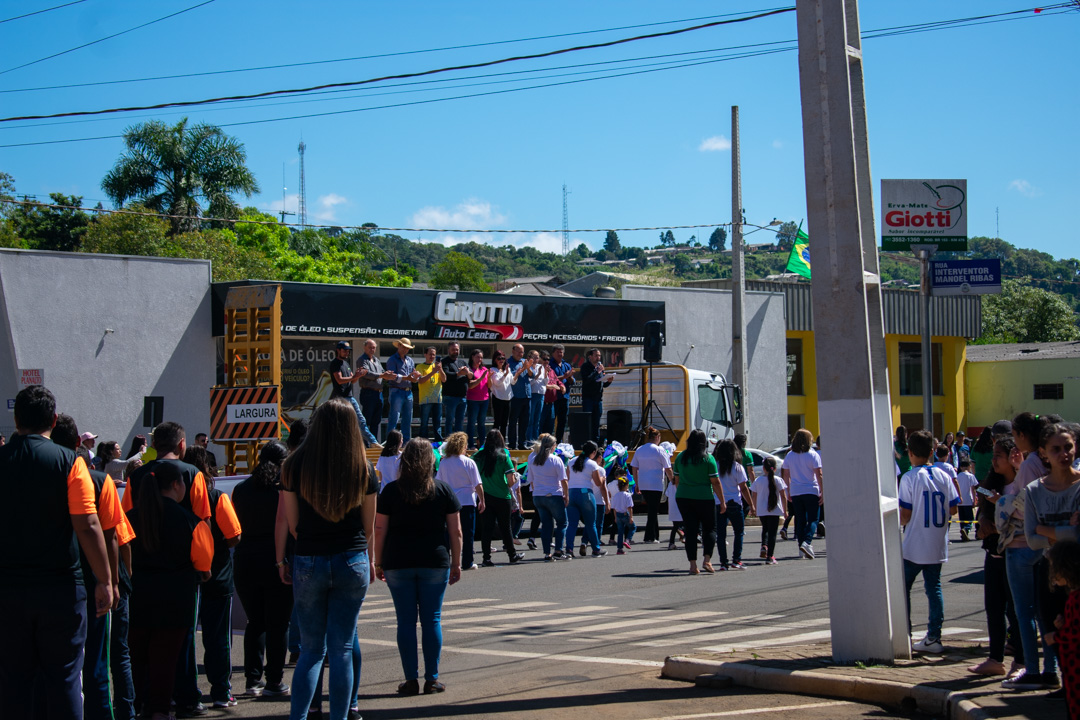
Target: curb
934,701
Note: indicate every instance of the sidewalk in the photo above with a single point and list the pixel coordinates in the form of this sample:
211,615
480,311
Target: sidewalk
937,685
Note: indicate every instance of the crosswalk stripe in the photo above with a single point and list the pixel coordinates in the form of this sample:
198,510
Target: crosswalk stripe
754,711
741,632
559,657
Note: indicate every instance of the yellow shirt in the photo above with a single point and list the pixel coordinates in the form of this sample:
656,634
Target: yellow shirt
430,389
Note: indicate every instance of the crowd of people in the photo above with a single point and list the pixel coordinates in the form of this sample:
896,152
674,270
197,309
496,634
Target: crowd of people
108,592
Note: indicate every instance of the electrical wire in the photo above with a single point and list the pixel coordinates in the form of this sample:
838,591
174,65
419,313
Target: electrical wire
107,37
470,66
367,57
368,227
39,12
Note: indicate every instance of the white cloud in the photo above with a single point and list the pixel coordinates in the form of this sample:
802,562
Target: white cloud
473,214
777,144
325,207
1025,188
714,144
544,242
275,207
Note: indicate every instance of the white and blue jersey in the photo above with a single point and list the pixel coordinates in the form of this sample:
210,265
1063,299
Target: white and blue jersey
929,493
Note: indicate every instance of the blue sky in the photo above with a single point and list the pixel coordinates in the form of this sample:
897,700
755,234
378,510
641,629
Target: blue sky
993,103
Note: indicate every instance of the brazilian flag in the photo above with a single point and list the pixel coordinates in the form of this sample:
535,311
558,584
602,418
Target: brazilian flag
799,260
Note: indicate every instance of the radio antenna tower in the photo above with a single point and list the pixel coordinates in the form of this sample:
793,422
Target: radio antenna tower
301,201
565,223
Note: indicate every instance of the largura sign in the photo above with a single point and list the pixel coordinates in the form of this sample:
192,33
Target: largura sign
924,212
484,320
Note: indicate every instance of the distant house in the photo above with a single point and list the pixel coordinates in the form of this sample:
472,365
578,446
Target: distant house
1003,381
589,262
504,285
538,289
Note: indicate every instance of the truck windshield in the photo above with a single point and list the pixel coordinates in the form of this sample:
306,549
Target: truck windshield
712,405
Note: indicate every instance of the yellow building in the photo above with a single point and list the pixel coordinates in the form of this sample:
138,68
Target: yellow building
1006,380
954,320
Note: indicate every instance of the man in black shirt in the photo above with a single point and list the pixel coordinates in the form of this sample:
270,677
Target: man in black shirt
370,384
343,378
454,388
593,382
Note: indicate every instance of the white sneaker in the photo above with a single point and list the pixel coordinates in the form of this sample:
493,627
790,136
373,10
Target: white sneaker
926,645
807,550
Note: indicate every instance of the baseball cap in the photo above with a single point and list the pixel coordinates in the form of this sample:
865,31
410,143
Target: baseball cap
344,345
87,436
1002,427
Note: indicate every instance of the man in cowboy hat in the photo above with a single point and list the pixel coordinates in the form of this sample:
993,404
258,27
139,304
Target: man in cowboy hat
401,399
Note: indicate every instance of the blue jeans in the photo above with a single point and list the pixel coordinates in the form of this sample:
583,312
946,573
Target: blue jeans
626,527
432,412
595,406
401,402
328,592
369,439
536,409
931,575
552,510
120,662
805,510
734,515
454,412
95,672
582,507
418,591
477,413
1020,568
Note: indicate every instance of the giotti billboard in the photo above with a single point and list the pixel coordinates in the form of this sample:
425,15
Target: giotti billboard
924,212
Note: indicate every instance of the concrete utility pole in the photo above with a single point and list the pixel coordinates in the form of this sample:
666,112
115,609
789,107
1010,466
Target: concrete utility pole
925,253
738,279
866,583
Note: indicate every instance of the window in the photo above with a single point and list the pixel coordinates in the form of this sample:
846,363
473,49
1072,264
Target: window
794,422
1052,391
913,422
911,368
794,367
711,405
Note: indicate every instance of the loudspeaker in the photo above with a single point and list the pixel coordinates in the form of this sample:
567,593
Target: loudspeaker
581,429
653,351
620,426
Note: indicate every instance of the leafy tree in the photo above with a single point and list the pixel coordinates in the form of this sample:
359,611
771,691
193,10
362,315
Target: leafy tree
668,239
692,242
127,234
718,239
681,263
7,193
1026,314
583,251
174,169
459,272
611,242
48,228
229,260
785,235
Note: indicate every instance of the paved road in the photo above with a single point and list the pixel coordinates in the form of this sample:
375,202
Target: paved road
539,639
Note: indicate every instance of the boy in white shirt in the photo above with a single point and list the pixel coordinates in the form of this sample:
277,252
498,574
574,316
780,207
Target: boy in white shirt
622,503
965,486
927,498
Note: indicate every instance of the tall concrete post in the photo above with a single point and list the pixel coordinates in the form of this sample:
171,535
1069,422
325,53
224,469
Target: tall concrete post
865,569
738,277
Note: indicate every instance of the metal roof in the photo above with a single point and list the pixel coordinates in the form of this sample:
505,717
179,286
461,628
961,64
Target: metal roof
959,316
1024,351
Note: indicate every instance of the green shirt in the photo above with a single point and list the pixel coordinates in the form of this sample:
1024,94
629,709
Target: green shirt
495,483
904,461
694,482
983,463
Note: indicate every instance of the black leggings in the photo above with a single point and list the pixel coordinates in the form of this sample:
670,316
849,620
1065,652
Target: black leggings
652,524
268,604
500,409
1000,617
698,514
769,525
496,515
675,525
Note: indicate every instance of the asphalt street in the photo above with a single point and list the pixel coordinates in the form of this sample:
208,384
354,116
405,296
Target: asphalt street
549,639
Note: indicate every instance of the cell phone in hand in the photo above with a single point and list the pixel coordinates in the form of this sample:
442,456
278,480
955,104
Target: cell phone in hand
983,491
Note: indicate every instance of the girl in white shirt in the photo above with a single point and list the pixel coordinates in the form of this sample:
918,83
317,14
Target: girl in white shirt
584,481
651,467
551,495
462,475
770,500
673,513
499,381
387,466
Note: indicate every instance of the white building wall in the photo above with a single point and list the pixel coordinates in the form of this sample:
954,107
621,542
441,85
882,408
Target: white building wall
56,311
698,331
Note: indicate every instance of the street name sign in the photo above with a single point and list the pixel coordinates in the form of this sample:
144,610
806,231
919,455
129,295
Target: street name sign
965,277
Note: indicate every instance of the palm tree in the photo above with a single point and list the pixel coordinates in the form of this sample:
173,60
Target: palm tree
170,169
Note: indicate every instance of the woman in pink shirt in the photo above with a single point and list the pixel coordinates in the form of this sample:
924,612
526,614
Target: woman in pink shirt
477,398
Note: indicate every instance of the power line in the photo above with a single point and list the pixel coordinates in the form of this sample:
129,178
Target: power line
369,227
367,57
470,66
39,12
107,37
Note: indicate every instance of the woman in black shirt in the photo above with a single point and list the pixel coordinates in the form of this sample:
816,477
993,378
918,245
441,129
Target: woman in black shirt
267,601
329,498
417,551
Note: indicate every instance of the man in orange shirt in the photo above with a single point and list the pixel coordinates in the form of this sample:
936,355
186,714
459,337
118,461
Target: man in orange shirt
44,602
